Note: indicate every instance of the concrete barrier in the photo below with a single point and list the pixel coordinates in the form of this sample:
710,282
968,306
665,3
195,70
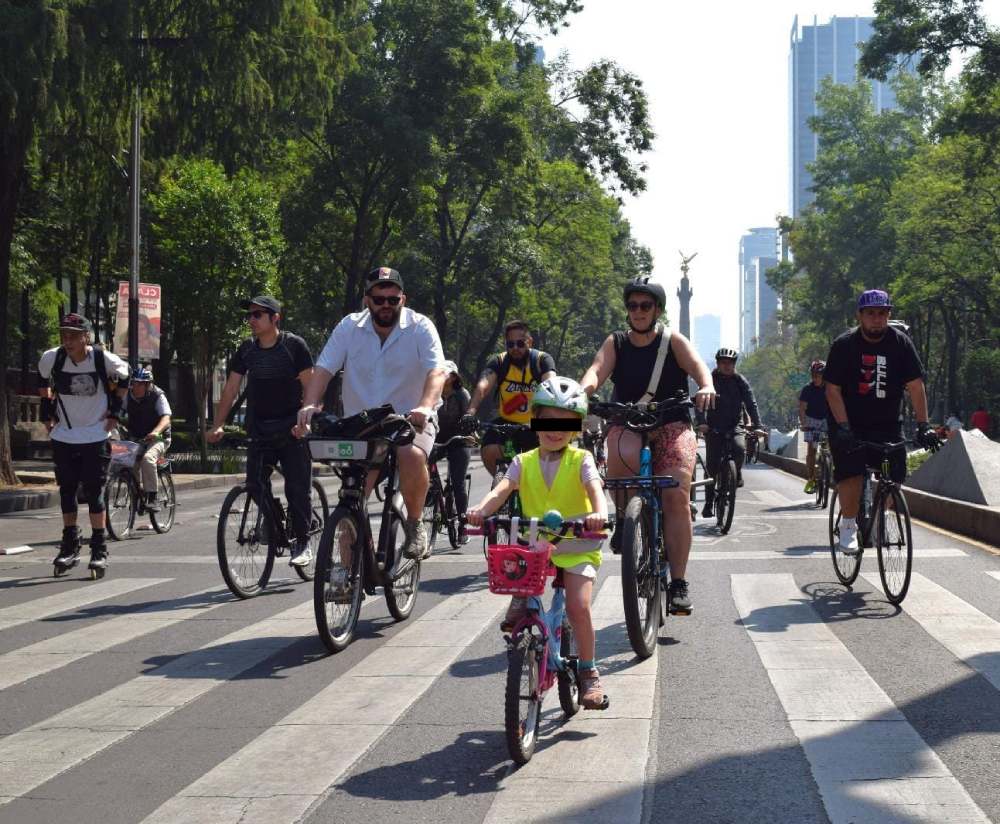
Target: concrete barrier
979,522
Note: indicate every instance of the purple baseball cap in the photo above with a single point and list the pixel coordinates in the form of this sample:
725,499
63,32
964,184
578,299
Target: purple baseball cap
874,298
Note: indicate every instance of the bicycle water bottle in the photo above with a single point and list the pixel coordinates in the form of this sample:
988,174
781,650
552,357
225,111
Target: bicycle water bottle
646,462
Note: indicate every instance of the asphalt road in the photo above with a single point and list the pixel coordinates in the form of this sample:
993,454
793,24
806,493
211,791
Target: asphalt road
154,695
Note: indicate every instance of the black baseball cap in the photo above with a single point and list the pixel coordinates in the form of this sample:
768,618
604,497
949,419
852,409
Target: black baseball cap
78,323
383,276
264,301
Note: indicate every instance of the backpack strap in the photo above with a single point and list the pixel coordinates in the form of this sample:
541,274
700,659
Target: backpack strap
57,368
661,358
534,358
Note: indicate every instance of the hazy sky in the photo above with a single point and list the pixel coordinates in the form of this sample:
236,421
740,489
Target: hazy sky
716,75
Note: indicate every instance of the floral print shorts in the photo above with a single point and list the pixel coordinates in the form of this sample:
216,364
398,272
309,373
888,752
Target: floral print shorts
673,445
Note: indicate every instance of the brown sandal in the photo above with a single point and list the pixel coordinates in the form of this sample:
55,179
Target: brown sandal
592,695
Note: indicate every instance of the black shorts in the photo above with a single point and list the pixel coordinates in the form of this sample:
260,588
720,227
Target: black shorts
853,464
523,441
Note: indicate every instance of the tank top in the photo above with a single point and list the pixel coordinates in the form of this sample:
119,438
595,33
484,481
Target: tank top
634,367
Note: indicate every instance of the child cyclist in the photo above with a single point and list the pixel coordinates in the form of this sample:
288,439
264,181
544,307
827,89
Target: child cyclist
561,477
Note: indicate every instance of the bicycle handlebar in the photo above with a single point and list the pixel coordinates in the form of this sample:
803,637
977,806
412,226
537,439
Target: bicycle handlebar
558,529
639,417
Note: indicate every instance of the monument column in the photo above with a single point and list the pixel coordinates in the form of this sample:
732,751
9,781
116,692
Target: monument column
685,294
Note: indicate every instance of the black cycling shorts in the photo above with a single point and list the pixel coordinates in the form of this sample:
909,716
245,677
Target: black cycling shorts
852,464
523,441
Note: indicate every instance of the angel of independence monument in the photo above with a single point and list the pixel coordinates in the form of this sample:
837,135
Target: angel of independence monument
685,293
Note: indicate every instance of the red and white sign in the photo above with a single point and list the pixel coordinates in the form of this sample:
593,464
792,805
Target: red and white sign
149,320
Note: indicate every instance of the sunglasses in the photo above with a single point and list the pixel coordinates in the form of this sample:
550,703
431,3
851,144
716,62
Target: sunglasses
640,306
256,314
380,300
517,344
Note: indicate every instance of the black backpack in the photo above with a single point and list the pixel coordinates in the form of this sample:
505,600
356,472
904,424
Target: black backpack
102,373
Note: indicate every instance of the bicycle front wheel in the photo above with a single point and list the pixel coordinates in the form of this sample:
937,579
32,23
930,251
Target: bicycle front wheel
120,504
164,519
845,566
246,556
401,588
894,541
640,581
725,496
501,536
826,479
523,699
433,514
320,511
338,586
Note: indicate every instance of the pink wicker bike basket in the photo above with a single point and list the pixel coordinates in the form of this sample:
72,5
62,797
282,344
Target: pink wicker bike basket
517,570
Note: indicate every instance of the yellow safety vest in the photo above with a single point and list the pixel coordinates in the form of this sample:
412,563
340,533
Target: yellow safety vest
567,495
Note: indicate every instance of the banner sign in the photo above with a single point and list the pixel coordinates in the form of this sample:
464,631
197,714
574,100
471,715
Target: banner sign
149,321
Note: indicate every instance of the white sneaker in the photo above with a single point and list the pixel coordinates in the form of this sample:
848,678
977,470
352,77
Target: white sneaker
849,540
301,554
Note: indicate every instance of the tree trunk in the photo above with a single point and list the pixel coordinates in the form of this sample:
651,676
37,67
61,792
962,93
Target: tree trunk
11,177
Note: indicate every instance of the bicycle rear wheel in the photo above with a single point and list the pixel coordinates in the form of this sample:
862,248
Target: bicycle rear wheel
827,469
725,496
338,589
246,556
164,519
523,699
894,541
845,566
120,504
569,685
640,583
320,511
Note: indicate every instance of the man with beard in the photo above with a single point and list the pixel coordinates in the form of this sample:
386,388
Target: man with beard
866,372
632,360
513,376
389,354
277,365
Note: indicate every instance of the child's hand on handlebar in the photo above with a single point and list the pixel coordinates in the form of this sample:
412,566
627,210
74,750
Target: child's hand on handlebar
595,522
474,516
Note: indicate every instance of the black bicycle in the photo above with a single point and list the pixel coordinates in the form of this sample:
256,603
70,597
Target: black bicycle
725,480
252,533
349,564
644,553
512,506
883,522
824,468
123,498
440,511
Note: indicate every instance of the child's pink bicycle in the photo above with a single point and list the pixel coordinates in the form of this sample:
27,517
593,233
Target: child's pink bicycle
540,649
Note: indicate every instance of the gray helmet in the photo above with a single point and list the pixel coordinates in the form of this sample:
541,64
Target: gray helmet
646,285
561,393
732,354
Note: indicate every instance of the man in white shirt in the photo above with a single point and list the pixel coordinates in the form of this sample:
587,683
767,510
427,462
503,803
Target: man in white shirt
81,407
389,354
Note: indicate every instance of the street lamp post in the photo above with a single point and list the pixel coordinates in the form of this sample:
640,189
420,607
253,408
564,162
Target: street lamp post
133,287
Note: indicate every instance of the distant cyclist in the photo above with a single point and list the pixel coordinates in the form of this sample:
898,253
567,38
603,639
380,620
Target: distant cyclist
277,365
148,416
81,406
454,403
512,377
733,398
866,372
813,412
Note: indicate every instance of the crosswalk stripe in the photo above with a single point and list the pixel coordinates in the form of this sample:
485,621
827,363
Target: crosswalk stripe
772,497
868,761
994,574
39,753
334,728
610,749
963,630
79,596
37,659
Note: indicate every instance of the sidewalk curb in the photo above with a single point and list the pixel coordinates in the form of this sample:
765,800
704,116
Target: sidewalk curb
979,522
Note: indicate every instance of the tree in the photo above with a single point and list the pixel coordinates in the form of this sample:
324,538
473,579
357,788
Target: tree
218,241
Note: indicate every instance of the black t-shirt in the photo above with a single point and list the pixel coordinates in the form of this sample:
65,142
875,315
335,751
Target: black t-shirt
871,376
815,400
274,393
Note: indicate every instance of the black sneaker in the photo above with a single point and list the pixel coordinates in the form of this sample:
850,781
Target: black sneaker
739,481
301,553
152,505
616,539
709,510
680,599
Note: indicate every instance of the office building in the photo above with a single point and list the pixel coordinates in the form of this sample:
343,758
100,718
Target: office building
758,302
707,337
817,52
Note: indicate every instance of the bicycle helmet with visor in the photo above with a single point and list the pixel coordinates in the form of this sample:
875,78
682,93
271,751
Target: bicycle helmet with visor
141,374
731,354
560,393
645,284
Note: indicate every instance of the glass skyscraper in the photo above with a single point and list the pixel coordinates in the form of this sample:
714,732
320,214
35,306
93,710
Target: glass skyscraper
708,337
820,51
758,301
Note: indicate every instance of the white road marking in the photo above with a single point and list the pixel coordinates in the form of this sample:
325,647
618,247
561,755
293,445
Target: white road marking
78,596
868,761
39,753
609,749
772,497
45,656
333,729
16,550
963,630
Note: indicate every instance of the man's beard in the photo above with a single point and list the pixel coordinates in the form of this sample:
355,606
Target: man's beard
393,319
646,331
875,336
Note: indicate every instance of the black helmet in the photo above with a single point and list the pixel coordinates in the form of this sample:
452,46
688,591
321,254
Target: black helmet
732,354
646,285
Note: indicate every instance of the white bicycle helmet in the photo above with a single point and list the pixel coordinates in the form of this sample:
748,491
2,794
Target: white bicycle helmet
561,393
